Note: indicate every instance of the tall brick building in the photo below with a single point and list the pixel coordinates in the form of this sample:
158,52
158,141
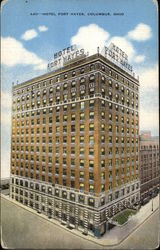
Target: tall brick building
74,154
149,165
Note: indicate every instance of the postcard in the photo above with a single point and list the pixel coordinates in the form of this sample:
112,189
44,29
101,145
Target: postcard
79,124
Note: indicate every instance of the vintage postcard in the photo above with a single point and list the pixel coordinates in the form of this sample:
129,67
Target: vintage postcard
79,124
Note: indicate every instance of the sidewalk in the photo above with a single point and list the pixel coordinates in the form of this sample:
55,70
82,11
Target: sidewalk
117,234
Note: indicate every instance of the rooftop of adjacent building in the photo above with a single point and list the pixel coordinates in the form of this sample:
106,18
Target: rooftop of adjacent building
147,139
75,64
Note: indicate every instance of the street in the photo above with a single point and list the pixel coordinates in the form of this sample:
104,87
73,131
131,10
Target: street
24,229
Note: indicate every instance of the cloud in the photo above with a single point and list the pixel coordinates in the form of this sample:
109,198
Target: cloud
149,113
6,103
90,37
141,32
149,120
5,132
6,100
29,34
148,78
13,53
5,163
139,58
42,28
6,118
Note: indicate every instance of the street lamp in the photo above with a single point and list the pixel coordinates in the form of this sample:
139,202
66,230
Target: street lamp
152,200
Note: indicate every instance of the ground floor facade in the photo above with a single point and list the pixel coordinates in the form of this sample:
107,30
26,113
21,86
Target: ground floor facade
149,189
88,214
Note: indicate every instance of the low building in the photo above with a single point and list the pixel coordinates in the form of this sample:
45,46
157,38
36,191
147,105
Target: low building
4,183
149,165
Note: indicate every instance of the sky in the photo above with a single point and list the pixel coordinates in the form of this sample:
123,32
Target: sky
33,30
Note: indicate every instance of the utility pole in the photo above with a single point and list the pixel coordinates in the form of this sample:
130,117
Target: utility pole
152,200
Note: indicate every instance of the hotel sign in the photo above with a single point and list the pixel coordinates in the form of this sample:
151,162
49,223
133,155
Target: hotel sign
64,56
117,55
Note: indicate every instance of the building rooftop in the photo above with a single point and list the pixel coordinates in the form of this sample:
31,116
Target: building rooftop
75,63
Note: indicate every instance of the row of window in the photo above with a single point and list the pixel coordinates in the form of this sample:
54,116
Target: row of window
71,74
57,89
39,102
72,196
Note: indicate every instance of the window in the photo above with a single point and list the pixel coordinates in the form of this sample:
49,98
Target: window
73,95
103,103
81,116
73,128
91,188
117,86
102,163
56,192
65,86
73,117
65,97
81,163
103,115
72,197
116,107
81,151
81,199
82,105
91,103
82,127
110,117
81,186
81,174
91,139
102,187
91,202
72,173
91,115
110,139
102,127
91,127
110,128
91,164
102,139
73,84
73,151
110,83
91,151
81,139
65,76
91,78
73,139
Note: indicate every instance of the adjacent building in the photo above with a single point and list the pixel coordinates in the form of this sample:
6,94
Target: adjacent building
75,143
149,165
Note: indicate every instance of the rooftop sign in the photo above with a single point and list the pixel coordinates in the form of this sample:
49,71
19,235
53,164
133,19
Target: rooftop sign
64,56
115,54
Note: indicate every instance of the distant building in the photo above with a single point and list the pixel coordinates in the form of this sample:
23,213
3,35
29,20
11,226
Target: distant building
149,165
4,185
75,139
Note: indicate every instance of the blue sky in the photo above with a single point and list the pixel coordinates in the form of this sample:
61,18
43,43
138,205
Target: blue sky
29,42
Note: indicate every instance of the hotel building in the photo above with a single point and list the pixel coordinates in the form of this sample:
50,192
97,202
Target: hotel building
75,143
149,165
